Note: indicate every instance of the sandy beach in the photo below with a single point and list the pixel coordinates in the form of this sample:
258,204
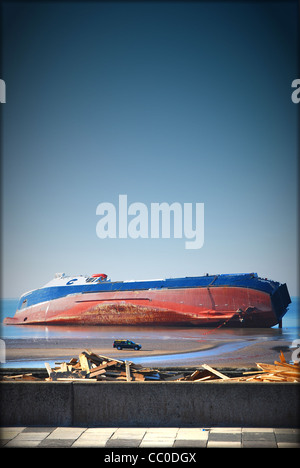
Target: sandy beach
52,349
161,352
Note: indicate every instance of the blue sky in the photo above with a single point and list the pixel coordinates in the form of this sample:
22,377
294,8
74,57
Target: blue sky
165,102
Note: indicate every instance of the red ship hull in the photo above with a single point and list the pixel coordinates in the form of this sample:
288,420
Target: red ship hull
213,306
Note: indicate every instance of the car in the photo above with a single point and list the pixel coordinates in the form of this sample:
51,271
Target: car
128,344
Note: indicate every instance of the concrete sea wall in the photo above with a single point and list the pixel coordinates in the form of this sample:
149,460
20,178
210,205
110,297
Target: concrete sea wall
144,404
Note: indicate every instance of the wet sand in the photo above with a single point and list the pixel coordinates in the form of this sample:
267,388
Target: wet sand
51,349
161,353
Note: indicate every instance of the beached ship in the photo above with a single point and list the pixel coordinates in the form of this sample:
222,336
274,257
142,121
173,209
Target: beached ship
232,300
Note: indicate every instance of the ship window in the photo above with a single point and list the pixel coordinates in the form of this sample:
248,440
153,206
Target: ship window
24,304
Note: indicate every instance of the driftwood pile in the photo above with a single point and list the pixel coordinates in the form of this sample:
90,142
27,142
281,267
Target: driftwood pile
277,372
91,367
20,377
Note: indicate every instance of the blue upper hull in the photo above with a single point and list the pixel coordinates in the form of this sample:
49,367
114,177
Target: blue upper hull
247,280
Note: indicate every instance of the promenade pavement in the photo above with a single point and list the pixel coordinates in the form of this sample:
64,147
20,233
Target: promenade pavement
149,437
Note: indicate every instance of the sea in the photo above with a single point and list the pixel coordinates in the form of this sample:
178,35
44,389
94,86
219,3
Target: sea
232,339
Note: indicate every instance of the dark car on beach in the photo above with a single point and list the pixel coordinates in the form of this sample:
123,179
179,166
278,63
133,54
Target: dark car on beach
126,344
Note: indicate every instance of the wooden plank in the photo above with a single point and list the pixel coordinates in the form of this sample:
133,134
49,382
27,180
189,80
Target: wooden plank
174,377
75,379
281,357
85,366
195,375
266,367
127,367
95,358
278,368
104,358
106,378
288,374
73,361
104,365
146,370
63,367
115,373
214,371
48,367
139,377
20,377
203,378
97,372
287,366
9,377
76,366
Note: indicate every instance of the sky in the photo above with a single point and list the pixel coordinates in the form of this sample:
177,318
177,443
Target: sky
186,102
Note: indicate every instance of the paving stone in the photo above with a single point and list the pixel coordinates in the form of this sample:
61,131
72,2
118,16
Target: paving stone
3,442
100,437
157,437
163,431
224,437
55,443
123,443
259,444
224,444
22,443
279,430
192,434
8,435
88,443
257,429
287,437
31,436
101,430
12,428
10,432
287,445
152,437
259,436
189,443
167,442
127,433
38,429
223,430
66,433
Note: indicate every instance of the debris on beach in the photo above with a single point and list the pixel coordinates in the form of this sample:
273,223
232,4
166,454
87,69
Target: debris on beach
91,367
94,367
277,372
20,377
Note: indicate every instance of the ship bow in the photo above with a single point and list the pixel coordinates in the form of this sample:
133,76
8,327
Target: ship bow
280,301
